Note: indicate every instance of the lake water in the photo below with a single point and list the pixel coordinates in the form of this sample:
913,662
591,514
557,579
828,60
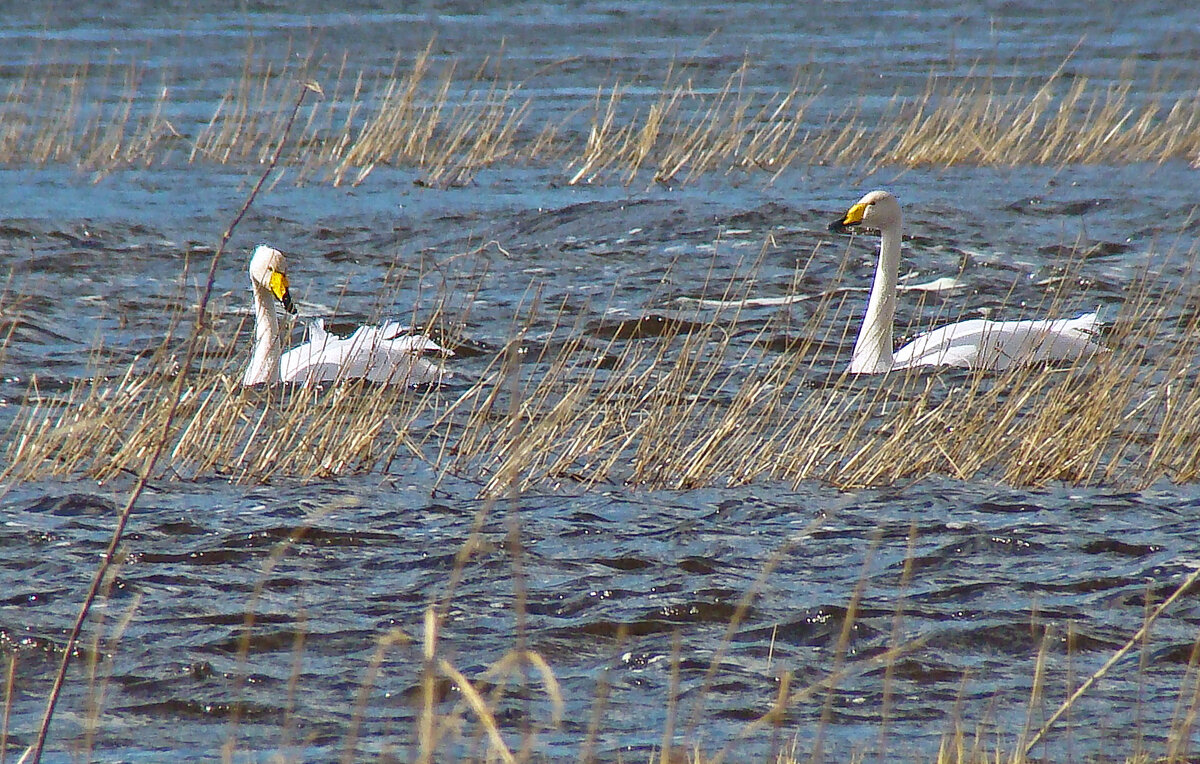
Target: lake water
629,593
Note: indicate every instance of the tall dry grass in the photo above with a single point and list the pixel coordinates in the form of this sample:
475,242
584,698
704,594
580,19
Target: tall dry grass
678,400
104,427
675,400
692,407
154,445
92,116
683,135
449,120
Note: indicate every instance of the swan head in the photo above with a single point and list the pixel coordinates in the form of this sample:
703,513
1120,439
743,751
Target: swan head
878,209
268,272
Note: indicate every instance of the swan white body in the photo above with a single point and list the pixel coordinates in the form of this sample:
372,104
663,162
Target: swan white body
385,353
976,344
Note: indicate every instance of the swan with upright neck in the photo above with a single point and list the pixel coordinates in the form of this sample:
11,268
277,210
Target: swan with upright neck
976,344
386,354
268,284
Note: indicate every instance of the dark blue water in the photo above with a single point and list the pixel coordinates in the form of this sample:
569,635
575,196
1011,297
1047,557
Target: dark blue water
628,594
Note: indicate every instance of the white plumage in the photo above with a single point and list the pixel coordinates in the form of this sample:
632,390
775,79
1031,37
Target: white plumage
976,344
387,353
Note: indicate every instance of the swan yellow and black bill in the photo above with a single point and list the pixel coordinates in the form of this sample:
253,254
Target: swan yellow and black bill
279,287
853,217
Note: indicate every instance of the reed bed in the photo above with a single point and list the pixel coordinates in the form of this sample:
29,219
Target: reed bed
683,398
448,120
689,410
105,427
92,116
678,399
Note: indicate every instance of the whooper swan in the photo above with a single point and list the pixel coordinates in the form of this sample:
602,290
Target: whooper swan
977,343
385,353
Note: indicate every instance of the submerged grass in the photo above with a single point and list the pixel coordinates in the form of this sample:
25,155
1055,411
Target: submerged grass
450,120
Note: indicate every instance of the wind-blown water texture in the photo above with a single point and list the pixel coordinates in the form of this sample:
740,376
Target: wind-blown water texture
997,575
611,575
993,567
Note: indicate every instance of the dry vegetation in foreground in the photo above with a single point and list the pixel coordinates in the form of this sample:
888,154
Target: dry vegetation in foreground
693,404
449,125
455,716
678,401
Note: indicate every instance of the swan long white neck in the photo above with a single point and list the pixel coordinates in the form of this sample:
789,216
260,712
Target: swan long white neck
264,363
873,348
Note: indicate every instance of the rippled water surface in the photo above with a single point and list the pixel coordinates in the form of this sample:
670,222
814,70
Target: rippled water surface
628,594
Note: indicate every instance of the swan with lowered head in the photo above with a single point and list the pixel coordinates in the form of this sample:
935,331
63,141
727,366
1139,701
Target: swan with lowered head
976,344
387,353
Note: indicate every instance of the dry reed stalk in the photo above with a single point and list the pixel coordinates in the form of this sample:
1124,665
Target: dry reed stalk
682,129
668,735
331,134
1165,399
391,639
745,425
676,402
643,143
1037,688
98,687
1174,397
153,454
126,136
746,138
481,135
841,141
795,422
1114,659
9,682
827,684
1187,710
449,135
447,125
745,602
250,616
601,135
774,148
974,124
432,729
700,131
583,411
299,643
700,401
247,119
105,430
889,672
842,645
487,420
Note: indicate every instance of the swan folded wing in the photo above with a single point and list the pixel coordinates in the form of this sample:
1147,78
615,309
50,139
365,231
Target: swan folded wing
998,345
392,368
312,361
374,353
394,337
393,359
317,333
